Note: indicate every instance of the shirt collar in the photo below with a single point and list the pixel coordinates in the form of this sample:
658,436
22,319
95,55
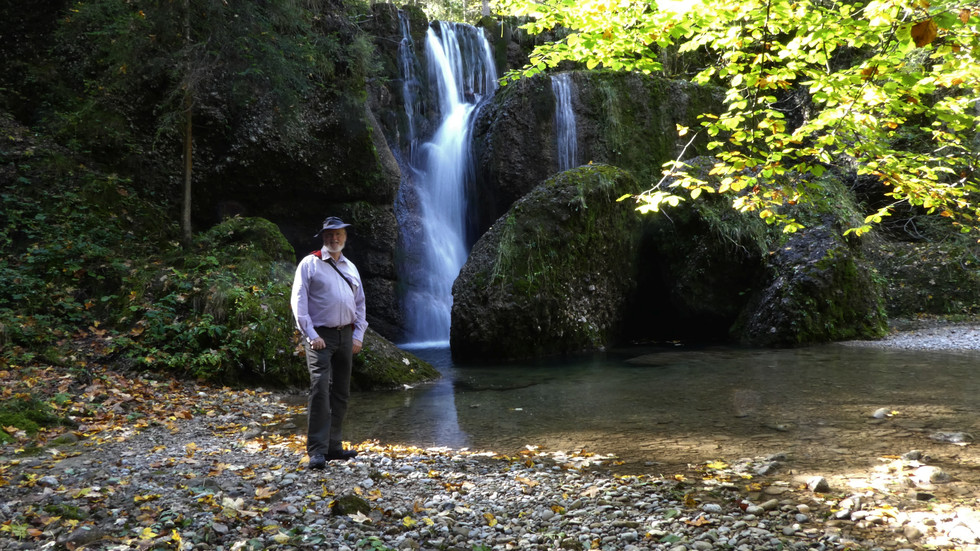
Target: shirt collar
325,254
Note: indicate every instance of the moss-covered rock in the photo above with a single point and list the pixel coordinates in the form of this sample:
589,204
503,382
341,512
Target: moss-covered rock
823,290
382,365
552,276
27,414
623,119
348,505
822,286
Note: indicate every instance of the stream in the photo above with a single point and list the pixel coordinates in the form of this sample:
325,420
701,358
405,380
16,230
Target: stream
668,408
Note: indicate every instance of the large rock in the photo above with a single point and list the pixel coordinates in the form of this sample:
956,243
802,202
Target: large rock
697,265
553,275
624,119
710,272
823,290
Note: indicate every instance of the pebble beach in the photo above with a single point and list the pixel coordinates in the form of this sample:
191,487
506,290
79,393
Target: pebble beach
214,473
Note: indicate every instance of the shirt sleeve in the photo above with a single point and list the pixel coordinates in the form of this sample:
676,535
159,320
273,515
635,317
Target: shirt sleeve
360,310
299,300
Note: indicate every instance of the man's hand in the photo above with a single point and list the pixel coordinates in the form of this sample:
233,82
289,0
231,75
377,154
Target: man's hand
357,346
318,344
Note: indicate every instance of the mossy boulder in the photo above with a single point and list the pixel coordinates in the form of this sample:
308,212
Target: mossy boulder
27,414
382,365
823,290
822,287
552,276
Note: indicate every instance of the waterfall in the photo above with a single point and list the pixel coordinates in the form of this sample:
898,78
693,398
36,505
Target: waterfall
432,206
561,86
408,65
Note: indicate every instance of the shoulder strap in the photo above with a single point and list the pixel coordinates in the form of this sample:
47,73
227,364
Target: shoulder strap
330,261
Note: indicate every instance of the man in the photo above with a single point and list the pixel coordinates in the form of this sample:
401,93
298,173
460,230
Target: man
328,304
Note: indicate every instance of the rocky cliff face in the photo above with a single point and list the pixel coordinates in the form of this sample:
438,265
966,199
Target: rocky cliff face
623,119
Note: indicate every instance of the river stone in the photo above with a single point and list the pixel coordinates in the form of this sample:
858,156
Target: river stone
818,484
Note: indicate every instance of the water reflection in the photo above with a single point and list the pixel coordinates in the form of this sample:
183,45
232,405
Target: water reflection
814,402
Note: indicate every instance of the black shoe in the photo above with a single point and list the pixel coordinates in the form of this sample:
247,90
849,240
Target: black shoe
341,455
317,461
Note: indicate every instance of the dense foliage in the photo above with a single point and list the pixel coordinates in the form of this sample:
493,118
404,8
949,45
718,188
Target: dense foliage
888,89
89,258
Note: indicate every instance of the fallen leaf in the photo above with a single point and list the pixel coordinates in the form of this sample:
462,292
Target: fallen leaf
265,492
361,518
700,521
528,481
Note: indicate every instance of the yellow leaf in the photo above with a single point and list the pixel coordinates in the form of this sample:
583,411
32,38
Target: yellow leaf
700,521
491,520
689,501
265,492
408,522
527,481
147,534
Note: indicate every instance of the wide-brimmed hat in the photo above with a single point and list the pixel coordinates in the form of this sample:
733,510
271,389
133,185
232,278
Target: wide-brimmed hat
332,223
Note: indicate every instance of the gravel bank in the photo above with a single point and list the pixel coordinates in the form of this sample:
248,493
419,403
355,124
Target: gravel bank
211,471
928,335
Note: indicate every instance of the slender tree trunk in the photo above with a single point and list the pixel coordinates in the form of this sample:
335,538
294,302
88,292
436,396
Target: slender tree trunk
188,165
188,129
486,7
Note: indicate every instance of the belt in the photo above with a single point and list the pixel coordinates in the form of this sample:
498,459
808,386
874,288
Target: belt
338,328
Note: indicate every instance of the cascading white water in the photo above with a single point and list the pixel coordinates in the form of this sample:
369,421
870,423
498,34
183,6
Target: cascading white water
562,87
461,75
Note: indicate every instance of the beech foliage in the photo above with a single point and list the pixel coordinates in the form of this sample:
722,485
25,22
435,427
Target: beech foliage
887,89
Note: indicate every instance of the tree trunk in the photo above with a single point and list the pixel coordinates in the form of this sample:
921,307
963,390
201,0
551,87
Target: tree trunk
188,234
188,165
486,7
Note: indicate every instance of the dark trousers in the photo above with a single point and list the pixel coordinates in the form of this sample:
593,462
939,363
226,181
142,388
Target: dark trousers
330,370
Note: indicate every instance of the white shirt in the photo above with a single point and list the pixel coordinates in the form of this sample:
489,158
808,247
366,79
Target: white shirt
321,297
